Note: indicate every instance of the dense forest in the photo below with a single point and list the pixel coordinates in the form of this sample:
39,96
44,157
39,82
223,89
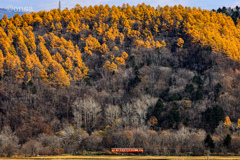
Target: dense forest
91,78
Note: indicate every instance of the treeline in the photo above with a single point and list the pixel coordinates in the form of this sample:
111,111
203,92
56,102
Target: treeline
102,74
185,141
234,13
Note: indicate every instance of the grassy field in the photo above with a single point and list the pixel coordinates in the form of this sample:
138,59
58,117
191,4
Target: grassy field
68,157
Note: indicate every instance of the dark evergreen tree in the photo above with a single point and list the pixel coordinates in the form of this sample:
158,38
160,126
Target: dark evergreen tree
227,141
189,88
174,116
217,91
209,143
212,117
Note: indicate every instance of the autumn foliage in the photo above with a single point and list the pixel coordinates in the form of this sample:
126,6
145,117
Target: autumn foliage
149,76
100,29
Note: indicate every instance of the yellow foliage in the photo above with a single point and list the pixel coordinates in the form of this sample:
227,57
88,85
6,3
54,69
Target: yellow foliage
12,62
180,42
159,45
156,28
113,67
152,132
107,64
43,75
147,44
115,48
1,63
57,57
58,28
78,75
124,55
153,121
92,45
163,43
68,64
31,42
227,122
238,123
137,23
72,28
20,73
60,77
153,44
28,65
110,66
113,57
104,49
139,43
120,60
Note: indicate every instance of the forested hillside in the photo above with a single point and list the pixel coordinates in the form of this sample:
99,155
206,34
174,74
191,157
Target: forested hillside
92,78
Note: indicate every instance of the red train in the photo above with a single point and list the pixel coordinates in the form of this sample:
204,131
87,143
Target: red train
127,150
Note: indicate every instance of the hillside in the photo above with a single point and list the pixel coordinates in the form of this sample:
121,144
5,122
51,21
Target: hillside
92,78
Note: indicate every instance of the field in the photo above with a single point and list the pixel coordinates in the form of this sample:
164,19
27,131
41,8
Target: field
68,157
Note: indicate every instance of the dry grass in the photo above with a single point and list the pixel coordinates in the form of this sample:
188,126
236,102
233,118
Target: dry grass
69,157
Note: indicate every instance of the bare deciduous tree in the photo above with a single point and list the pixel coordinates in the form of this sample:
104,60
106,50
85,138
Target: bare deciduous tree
31,148
8,141
88,110
141,106
112,112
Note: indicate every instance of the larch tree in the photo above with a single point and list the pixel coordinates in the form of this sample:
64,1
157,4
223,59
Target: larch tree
238,123
124,55
227,122
110,67
68,65
46,56
120,60
104,49
57,57
31,42
92,45
43,75
1,64
78,75
59,76
180,42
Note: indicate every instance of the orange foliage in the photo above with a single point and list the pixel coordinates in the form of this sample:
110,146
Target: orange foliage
227,122
112,27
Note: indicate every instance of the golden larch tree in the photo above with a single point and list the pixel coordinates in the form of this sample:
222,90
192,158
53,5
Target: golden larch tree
120,60
57,57
104,49
238,123
124,55
60,77
68,65
43,75
92,45
77,76
1,64
227,122
180,42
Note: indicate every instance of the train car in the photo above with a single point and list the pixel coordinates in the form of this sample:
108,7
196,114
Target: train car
127,150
